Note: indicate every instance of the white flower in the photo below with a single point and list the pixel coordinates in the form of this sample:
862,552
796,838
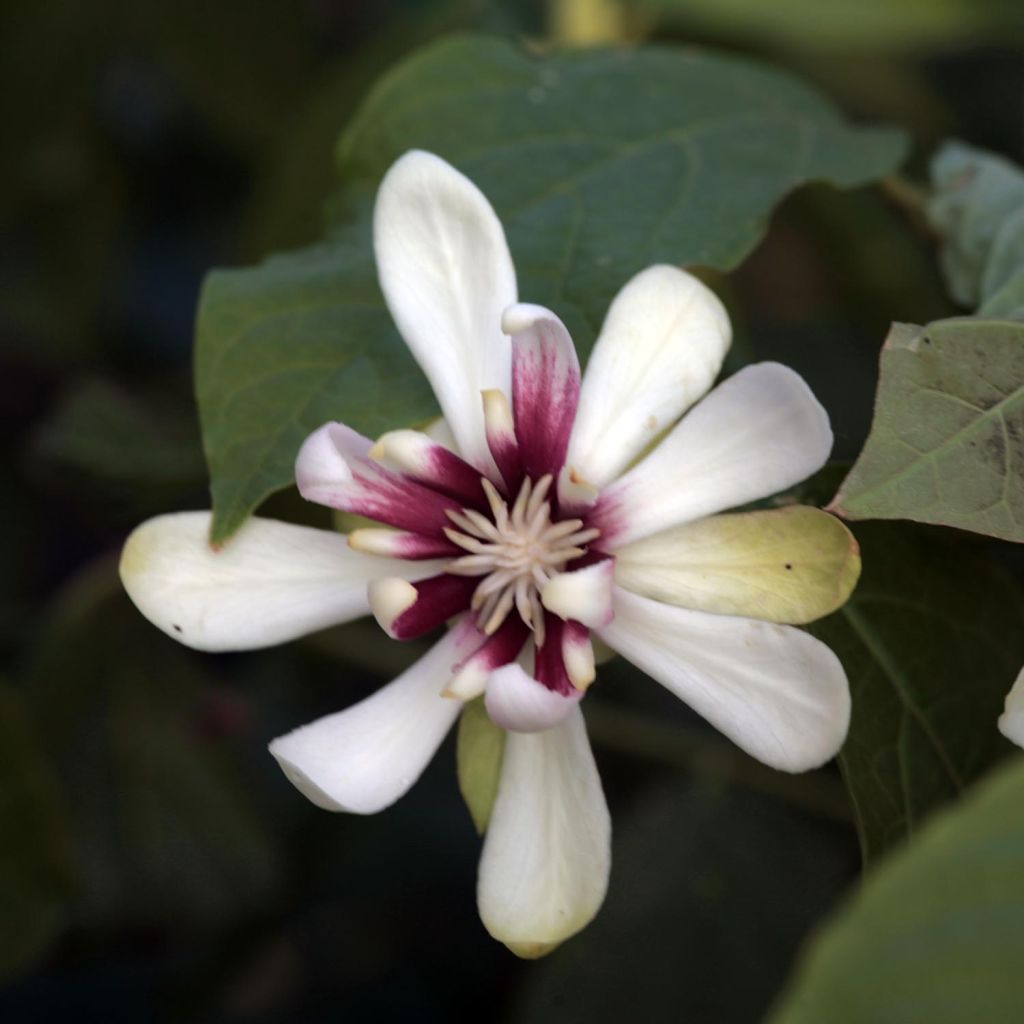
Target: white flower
544,519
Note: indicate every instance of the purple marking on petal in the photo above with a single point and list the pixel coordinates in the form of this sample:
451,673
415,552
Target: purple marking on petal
333,468
501,648
416,548
455,477
438,599
549,667
545,393
608,516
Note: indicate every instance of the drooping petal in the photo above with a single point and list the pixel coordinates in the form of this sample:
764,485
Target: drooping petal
757,433
660,349
582,594
406,610
364,758
447,275
269,583
546,857
774,690
791,564
518,702
1011,721
545,386
419,457
334,468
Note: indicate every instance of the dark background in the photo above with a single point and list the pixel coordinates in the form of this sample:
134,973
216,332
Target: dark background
154,864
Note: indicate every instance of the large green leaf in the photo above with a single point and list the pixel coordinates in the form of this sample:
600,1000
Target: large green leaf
931,641
947,442
599,163
935,935
33,843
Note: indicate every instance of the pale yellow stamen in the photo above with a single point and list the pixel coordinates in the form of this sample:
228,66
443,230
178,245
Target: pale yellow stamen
516,554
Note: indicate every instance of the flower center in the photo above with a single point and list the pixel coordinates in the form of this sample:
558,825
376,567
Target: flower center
517,552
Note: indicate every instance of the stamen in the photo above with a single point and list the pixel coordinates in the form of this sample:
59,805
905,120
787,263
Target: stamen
516,555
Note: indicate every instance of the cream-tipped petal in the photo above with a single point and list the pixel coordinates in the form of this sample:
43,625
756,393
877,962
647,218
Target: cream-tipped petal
775,691
547,854
584,595
660,349
517,702
500,428
759,432
364,758
578,656
419,457
576,494
389,598
792,564
1011,721
271,582
447,275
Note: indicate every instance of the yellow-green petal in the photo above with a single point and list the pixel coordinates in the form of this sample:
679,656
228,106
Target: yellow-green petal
790,565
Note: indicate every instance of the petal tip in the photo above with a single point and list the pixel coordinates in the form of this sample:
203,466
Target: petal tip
389,598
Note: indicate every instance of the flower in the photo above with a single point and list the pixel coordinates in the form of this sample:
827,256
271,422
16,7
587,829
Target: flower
559,507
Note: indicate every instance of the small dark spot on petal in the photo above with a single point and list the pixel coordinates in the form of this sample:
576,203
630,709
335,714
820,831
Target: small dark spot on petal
789,565
176,628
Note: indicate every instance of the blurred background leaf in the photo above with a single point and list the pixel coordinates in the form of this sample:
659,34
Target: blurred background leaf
34,861
934,934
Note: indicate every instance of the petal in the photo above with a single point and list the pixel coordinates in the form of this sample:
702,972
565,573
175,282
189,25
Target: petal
470,676
406,610
500,429
447,275
545,386
401,544
759,432
582,594
660,349
518,702
419,457
773,690
578,655
364,758
546,857
791,564
334,468
1011,721
269,583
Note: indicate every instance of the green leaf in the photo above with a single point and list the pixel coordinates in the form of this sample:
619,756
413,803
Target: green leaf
599,163
935,934
931,641
947,442
978,208
479,752
33,843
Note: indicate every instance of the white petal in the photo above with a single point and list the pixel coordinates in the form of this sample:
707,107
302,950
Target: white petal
544,868
447,275
757,433
364,758
584,595
660,349
1011,721
269,583
517,702
775,691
